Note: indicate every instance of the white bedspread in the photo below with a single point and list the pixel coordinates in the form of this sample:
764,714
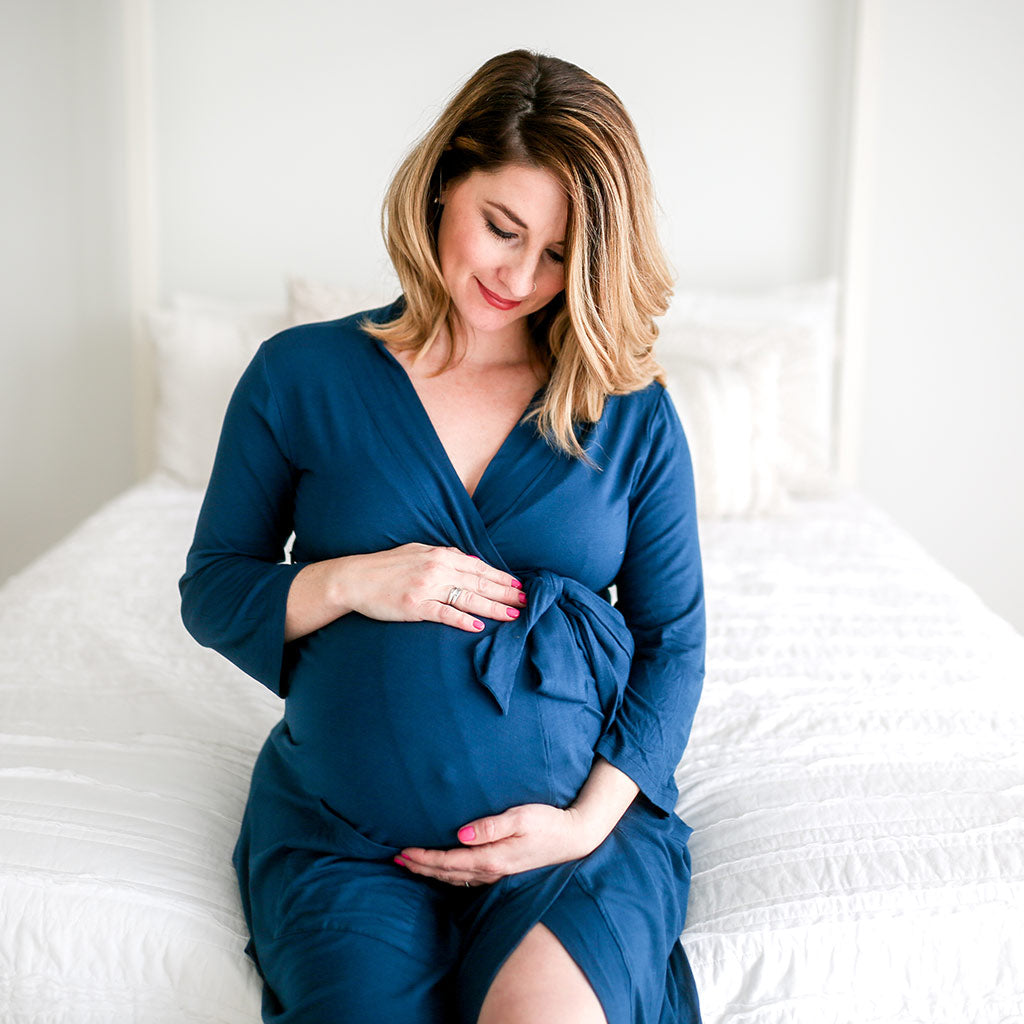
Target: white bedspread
855,778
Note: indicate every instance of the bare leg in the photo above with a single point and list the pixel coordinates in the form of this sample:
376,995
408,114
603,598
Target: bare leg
541,982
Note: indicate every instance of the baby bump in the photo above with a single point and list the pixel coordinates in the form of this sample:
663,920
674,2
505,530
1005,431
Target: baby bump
395,731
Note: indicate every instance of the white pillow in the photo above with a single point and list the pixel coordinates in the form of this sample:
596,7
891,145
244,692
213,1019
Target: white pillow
311,301
729,409
803,320
201,348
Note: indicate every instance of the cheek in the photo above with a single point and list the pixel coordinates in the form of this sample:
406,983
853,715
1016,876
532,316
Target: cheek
462,246
552,284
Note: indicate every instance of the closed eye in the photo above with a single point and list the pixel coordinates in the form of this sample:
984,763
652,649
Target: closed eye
506,236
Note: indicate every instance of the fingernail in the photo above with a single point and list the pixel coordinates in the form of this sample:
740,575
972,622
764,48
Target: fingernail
516,583
477,624
467,833
512,613
399,860
522,599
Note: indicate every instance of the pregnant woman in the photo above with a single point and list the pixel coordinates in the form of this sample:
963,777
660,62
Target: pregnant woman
466,813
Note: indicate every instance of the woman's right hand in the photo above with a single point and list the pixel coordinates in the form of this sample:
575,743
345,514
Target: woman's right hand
411,583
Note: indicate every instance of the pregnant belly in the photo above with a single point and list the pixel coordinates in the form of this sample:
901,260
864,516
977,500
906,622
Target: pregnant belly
395,732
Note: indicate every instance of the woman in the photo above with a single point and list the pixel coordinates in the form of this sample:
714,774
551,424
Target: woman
466,812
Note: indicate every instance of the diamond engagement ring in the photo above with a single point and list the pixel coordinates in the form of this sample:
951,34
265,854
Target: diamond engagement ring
453,595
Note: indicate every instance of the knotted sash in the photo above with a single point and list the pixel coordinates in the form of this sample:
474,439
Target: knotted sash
571,635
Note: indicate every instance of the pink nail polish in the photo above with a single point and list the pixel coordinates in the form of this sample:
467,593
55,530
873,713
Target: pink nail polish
522,599
512,613
467,833
400,860
516,583
477,624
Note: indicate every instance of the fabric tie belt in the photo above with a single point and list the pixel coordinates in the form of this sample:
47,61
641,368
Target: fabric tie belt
572,637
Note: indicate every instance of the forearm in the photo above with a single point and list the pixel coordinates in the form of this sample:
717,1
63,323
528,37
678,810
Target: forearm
603,799
318,595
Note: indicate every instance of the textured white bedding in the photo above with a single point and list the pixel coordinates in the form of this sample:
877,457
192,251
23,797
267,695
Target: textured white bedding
855,778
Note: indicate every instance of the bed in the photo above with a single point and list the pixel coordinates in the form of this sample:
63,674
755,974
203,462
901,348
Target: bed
854,778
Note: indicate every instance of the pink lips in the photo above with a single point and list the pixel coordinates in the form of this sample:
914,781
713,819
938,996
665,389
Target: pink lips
496,300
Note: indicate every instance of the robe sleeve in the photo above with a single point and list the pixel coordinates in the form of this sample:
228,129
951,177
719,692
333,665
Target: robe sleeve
235,588
660,592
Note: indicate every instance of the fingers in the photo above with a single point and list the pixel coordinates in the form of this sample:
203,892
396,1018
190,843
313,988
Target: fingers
505,582
423,578
461,612
482,592
478,602
456,867
501,844
490,829
500,598
451,616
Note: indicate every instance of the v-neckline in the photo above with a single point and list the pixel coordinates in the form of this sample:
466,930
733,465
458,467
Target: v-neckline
431,430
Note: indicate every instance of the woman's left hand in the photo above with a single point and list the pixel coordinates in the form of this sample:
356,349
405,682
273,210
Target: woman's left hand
521,838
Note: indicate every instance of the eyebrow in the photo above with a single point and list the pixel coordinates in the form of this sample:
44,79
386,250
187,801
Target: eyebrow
514,218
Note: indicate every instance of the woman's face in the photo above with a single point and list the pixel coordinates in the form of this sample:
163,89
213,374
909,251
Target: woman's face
500,234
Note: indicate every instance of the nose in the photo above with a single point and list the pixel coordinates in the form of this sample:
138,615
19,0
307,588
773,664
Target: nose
519,276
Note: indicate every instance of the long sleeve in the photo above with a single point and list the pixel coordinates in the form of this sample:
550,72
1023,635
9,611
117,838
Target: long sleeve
235,588
660,590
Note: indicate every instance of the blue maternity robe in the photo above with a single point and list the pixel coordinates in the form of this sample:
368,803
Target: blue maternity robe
396,734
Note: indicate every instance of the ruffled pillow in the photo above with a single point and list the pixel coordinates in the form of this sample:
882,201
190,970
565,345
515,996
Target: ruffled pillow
727,397
801,322
311,301
201,347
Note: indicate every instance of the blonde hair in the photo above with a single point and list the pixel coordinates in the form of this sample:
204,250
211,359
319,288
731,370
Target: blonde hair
595,338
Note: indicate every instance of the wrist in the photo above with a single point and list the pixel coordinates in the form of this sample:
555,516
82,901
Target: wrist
589,832
602,801
342,584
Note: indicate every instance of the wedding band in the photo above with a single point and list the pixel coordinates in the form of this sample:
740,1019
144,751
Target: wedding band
453,595
466,884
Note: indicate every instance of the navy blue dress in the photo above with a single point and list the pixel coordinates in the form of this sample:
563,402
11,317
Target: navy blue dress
396,734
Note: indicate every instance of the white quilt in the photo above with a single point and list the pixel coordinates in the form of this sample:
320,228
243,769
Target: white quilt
855,779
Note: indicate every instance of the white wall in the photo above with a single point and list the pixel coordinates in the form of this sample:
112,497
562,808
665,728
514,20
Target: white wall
944,372
278,126
65,386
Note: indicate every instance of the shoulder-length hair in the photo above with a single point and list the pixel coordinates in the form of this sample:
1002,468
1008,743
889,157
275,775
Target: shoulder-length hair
595,338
